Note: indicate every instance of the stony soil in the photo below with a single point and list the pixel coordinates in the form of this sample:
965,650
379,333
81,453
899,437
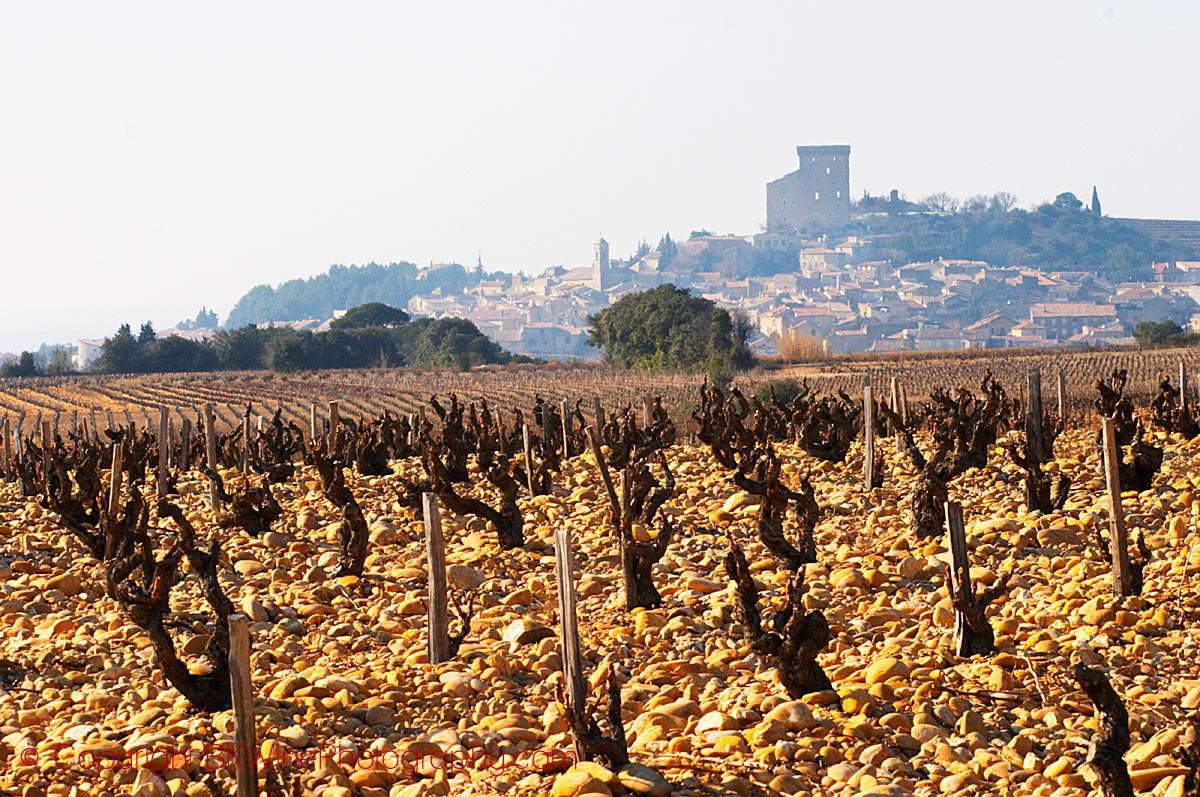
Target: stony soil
341,672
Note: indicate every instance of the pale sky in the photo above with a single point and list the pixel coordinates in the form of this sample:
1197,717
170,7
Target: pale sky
156,156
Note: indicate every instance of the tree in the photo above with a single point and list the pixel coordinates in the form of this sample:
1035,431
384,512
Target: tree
374,314
24,366
668,328
146,334
60,361
1095,203
120,354
704,233
666,250
1067,201
1156,334
205,319
940,202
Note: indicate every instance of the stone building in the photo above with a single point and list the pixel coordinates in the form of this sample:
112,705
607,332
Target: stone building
816,196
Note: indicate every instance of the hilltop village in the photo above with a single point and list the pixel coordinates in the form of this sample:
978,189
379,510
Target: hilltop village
824,269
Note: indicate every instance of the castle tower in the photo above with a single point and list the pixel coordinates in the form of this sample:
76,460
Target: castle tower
815,197
601,273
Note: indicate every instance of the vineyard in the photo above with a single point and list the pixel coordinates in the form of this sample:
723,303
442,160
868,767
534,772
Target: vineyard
366,393
578,581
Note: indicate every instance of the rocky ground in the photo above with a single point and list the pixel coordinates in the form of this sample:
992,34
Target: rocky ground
348,704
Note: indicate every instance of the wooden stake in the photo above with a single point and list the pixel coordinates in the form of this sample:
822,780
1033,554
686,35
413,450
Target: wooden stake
568,627
528,457
164,446
210,449
435,558
647,412
312,423
7,447
566,429
597,413
868,436
246,441
895,405
1062,396
185,451
47,440
331,441
1118,535
114,484
17,434
1183,396
628,562
242,690
960,570
1034,433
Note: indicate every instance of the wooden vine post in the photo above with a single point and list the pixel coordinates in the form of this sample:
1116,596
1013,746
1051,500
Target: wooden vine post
868,436
960,571
1183,396
597,413
114,485
210,450
1118,535
241,690
1034,432
435,559
246,441
566,429
895,405
628,562
568,629
185,451
47,441
1062,396
331,442
164,446
312,423
7,447
528,450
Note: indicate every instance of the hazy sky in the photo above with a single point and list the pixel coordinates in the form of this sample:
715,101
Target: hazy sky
155,156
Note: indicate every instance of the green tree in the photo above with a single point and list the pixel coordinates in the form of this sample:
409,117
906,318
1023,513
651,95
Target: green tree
119,354
1157,334
666,250
25,365
146,334
373,314
668,328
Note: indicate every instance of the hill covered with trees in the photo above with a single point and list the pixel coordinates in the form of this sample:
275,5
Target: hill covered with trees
1063,235
374,338
343,287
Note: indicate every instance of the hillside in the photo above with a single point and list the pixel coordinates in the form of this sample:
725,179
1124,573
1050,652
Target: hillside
1062,235
343,287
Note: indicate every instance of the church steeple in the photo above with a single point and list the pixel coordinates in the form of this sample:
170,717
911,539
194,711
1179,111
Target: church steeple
600,265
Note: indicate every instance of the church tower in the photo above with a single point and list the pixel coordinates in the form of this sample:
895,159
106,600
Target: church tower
601,274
